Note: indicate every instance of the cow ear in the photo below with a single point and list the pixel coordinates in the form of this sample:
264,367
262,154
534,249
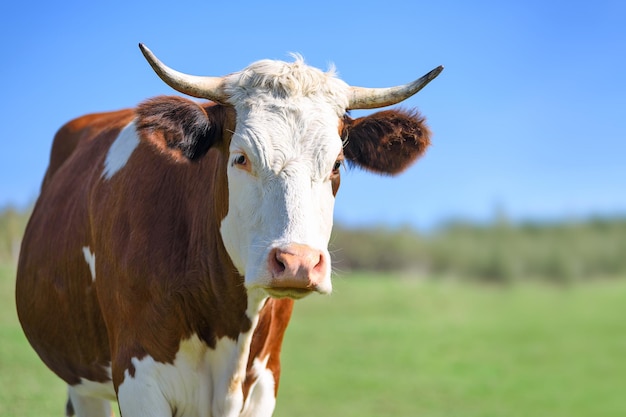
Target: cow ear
178,126
386,142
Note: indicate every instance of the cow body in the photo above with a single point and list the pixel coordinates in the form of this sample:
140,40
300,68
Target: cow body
163,255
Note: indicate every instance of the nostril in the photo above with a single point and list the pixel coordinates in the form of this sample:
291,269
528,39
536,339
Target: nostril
321,263
279,265
276,264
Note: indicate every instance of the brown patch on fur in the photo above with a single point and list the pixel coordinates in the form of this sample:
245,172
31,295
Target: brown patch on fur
268,339
177,126
162,270
385,142
57,301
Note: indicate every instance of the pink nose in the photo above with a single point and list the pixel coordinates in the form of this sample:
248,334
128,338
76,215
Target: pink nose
297,267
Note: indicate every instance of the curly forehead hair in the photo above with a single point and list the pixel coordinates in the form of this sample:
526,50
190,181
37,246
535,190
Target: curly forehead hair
280,80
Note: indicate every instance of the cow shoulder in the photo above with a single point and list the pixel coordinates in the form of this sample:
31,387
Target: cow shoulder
386,142
180,127
82,129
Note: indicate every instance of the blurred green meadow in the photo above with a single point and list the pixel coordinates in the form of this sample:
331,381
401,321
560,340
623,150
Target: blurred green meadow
386,345
500,321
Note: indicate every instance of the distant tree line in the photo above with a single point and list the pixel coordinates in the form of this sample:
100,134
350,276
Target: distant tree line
496,252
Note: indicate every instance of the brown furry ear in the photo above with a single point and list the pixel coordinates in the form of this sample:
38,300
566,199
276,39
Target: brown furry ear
385,142
178,126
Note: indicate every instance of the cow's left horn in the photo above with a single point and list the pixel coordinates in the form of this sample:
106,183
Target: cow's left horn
193,85
371,98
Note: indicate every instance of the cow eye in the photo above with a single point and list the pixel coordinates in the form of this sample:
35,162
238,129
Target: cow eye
240,160
337,165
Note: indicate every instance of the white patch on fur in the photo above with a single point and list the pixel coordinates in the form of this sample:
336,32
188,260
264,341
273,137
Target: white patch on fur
103,390
88,406
120,151
90,398
144,394
287,126
201,382
90,258
229,368
261,400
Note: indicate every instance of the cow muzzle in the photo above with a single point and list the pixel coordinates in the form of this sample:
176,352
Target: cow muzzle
296,271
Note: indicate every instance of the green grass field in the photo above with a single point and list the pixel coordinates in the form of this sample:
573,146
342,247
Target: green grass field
400,347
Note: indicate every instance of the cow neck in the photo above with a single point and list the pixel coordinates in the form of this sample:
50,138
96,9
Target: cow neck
233,312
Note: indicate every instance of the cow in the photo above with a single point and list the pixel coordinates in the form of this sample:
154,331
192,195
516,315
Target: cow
162,259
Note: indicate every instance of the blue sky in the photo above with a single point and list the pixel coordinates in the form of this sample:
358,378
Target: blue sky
528,117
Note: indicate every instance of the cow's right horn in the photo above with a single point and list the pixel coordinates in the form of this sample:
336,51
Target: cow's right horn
201,87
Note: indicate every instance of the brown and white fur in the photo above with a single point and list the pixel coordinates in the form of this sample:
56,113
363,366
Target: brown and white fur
168,243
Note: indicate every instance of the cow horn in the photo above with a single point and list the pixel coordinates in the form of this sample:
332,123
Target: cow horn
371,98
192,85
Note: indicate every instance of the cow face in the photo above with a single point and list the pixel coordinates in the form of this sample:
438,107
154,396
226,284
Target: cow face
284,157
290,138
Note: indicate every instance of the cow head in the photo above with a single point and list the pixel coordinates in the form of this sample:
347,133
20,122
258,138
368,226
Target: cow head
291,136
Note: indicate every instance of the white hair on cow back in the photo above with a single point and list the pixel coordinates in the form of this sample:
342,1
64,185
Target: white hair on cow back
279,80
120,151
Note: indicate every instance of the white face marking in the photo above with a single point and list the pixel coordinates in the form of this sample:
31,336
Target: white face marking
283,194
120,151
90,258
